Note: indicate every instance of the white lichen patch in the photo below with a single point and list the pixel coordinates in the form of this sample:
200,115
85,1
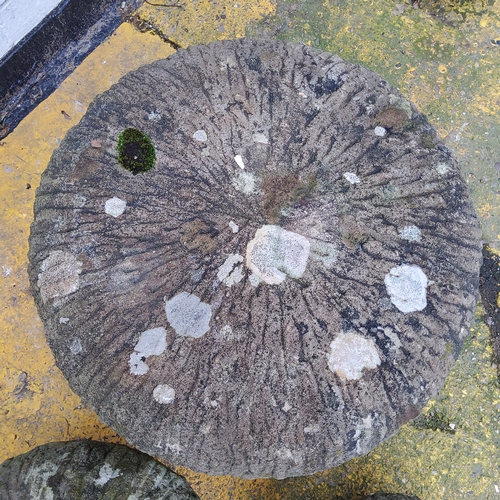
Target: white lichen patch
76,347
164,394
392,335
106,472
352,353
275,253
254,279
59,275
245,182
442,168
380,131
407,288
234,227
230,272
311,429
200,135
151,343
154,116
187,315
352,177
239,161
115,206
410,233
36,479
324,252
63,321
260,138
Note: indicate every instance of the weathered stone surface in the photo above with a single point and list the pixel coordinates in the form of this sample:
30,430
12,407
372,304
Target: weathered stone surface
305,257
389,496
85,470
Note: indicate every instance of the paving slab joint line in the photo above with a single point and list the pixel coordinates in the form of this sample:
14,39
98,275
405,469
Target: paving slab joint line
147,26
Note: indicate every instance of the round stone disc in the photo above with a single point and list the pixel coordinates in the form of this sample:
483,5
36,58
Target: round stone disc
85,470
289,283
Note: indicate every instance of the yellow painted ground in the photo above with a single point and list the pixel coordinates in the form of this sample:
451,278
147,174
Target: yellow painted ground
36,405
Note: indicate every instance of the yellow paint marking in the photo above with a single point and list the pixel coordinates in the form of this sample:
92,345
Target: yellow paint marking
205,21
36,403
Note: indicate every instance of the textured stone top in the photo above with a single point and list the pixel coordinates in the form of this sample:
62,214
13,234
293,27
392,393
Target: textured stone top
288,280
89,470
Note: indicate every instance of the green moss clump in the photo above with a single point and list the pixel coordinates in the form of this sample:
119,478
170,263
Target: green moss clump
434,420
136,152
282,192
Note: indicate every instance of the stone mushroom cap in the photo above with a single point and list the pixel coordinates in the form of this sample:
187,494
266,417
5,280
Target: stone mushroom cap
84,469
289,283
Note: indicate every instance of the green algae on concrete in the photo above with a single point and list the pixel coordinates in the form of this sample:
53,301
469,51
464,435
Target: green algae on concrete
447,64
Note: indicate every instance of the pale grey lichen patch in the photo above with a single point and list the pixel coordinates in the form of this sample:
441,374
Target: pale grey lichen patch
245,182
352,177
200,135
63,321
234,227
115,206
225,334
311,429
239,161
187,315
76,346
260,138
401,103
154,116
164,394
275,253
380,131
151,343
442,168
392,335
410,233
350,354
254,279
37,479
324,252
59,275
230,272
407,288
106,473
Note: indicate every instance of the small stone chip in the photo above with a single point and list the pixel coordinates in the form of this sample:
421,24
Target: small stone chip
239,160
351,177
200,135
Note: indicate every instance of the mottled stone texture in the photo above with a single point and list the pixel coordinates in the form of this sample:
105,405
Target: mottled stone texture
85,470
259,374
